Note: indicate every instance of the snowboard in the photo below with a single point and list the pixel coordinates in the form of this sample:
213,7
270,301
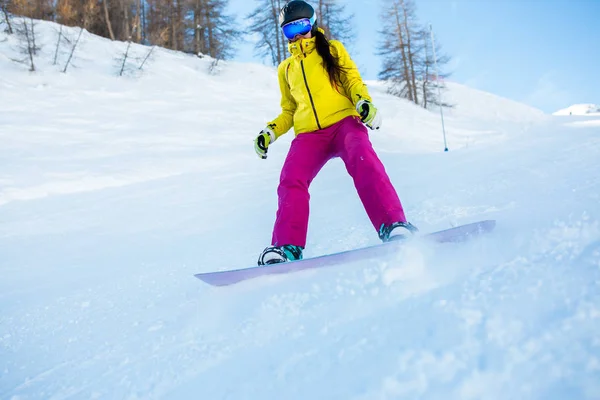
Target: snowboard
457,234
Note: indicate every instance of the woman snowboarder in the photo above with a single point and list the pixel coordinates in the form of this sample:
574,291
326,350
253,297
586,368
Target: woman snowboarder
324,98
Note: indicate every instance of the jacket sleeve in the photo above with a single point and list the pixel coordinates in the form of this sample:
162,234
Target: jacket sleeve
351,80
285,120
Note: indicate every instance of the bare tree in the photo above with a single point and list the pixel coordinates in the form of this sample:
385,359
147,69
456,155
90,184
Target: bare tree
265,23
73,50
177,29
332,18
147,57
5,17
197,25
407,56
157,23
144,23
138,21
25,8
218,30
124,58
125,20
26,34
89,14
165,23
202,26
44,9
396,67
67,12
107,20
37,9
60,37
34,48
410,30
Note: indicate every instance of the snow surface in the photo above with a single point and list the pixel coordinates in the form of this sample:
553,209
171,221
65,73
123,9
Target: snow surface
580,109
115,191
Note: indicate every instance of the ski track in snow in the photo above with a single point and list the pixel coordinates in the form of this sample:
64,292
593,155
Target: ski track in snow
114,192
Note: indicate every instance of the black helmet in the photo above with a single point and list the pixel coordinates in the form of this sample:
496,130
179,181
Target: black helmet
296,9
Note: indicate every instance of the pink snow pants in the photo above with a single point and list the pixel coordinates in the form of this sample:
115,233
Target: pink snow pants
349,140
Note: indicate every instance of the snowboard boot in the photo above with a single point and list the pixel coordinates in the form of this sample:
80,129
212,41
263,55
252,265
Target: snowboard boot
396,231
278,254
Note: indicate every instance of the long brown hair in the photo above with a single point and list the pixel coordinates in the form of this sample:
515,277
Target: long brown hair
330,60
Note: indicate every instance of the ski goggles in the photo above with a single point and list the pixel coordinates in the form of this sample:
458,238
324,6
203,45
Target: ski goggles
298,27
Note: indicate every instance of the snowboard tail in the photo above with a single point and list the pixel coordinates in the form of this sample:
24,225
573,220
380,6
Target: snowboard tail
453,235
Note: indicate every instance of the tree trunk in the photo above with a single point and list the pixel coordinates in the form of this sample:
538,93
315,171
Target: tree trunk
180,26
138,22
278,39
212,51
410,54
197,27
34,48
7,19
202,23
107,17
143,21
174,27
126,27
404,56
30,46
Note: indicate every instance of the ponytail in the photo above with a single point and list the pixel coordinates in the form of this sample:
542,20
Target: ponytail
330,61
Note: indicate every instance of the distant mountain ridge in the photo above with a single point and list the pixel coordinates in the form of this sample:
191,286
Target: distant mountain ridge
579,109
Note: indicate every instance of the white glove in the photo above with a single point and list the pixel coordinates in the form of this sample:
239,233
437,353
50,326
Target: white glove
369,114
262,142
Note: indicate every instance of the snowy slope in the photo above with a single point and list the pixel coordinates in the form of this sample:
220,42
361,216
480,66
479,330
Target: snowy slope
580,109
115,191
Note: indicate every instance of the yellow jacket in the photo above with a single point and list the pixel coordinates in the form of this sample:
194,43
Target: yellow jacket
308,100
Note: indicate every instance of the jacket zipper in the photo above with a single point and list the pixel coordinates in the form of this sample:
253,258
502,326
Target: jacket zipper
312,103
310,95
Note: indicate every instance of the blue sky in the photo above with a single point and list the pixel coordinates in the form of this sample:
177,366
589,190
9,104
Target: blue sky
542,53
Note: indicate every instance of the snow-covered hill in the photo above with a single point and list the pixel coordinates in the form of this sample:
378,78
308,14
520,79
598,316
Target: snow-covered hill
114,191
580,109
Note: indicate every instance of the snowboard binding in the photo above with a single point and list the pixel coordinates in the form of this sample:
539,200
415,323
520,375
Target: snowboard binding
396,231
279,254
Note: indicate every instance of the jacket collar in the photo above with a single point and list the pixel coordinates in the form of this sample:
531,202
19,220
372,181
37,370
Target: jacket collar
303,47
